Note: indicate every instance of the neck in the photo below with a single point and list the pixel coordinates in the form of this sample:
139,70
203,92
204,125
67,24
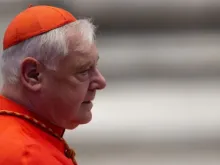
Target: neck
18,96
14,93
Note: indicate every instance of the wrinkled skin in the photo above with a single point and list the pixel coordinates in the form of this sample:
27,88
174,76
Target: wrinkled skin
63,96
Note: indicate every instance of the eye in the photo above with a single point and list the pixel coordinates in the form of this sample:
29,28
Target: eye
85,72
89,70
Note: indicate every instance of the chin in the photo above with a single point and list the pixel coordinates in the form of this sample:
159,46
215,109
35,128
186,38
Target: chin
86,120
83,120
71,127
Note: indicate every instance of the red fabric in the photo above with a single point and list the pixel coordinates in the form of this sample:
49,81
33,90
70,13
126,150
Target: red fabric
35,21
23,143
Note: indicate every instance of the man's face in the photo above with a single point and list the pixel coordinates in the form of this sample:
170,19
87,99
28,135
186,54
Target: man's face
68,92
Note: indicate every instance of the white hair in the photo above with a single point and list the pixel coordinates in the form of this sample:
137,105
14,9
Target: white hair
46,48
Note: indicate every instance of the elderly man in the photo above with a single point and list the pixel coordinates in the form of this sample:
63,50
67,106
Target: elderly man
50,77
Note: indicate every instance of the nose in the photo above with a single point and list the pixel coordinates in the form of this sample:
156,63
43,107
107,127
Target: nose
98,81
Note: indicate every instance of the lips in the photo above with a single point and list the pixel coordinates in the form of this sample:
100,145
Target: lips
86,102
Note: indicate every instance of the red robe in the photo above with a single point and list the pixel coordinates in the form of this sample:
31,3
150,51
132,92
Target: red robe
23,142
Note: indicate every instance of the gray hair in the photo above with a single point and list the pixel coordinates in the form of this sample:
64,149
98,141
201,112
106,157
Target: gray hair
47,48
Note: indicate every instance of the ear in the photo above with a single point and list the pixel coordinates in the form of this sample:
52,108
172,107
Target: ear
31,74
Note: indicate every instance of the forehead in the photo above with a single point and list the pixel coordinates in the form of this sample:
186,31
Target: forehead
90,55
78,59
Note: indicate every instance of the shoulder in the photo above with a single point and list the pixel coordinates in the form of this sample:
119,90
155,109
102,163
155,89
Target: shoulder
17,147
25,153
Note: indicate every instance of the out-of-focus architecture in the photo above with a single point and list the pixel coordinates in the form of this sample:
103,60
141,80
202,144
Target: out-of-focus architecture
161,59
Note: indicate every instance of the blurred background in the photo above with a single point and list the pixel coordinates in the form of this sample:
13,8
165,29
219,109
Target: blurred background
161,59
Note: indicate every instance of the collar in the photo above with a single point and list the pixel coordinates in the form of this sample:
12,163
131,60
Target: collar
7,104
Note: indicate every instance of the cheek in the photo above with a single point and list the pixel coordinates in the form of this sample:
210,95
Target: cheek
70,92
75,93
78,86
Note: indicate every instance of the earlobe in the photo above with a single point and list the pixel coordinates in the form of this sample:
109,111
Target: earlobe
31,74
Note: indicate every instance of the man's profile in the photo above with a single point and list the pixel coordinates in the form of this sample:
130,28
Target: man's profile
50,78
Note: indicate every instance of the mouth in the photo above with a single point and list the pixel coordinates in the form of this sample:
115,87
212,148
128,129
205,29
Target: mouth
87,102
